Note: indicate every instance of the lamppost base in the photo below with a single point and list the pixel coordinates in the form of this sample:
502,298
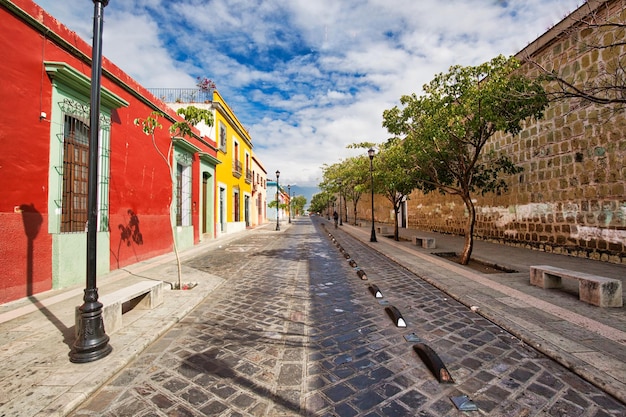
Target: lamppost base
91,343
91,355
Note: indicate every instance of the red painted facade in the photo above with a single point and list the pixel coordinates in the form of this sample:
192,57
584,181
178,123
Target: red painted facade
140,187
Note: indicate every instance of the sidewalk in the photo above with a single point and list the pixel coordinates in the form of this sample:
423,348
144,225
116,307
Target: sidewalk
588,340
36,335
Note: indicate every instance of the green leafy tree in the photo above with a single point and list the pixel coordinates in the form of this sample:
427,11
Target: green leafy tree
281,205
332,182
327,195
445,130
297,204
392,176
348,178
192,116
355,180
319,202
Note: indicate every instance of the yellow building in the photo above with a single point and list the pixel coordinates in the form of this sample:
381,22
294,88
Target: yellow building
234,173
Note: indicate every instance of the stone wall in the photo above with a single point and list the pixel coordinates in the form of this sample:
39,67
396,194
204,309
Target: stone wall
570,197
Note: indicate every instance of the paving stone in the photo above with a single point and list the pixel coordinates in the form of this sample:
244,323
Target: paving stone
413,399
573,397
521,375
161,401
338,392
366,400
175,385
194,396
564,408
214,408
290,374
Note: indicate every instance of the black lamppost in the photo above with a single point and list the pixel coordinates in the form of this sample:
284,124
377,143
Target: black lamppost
289,195
92,343
277,191
340,212
370,153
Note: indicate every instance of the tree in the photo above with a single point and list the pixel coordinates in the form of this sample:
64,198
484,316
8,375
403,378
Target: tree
355,180
297,204
192,116
445,130
281,205
332,182
319,202
392,176
349,178
328,192
593,68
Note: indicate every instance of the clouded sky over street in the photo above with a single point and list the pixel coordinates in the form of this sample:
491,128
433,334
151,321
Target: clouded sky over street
308,77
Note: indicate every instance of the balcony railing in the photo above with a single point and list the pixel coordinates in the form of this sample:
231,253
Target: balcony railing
183,95
237,169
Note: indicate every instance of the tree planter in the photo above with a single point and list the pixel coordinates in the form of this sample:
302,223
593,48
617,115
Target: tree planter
184,285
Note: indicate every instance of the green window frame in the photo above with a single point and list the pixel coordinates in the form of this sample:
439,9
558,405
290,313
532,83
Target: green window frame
69,149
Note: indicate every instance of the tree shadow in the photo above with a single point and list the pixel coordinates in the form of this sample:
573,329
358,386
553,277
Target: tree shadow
32,221
209,362
130,235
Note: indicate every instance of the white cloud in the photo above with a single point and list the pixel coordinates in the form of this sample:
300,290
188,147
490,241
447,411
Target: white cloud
308,77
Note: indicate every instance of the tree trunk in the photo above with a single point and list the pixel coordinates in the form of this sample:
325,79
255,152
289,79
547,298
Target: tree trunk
469,231
396,234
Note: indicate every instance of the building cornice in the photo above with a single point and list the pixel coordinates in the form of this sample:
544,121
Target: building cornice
209,158
226,112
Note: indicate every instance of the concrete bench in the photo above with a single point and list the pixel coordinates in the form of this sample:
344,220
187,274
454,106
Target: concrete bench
384,230
592,289
144,295
425,242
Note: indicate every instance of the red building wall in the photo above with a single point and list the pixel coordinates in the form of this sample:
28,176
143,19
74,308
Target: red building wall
25,245
140,188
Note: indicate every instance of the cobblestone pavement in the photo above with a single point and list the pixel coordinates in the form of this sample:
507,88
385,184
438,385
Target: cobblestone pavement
295,331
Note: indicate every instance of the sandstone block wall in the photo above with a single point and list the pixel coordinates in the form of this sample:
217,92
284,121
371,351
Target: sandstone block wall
571,196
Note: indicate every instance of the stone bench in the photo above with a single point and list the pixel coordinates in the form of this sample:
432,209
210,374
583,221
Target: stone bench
592,289
425,242
144,295
384,230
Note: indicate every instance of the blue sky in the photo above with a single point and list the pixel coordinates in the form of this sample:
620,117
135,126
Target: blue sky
308,77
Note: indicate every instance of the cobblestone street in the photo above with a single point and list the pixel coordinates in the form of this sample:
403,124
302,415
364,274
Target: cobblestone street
294,331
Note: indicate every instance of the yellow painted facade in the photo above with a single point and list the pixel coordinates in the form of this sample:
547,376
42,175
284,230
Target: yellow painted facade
234,173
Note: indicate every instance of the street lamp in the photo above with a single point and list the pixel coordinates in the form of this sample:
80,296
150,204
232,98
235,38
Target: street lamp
277,191
92,342
370,153
340,212
289,195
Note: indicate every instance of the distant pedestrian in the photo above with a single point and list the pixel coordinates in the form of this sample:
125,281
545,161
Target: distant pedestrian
336,217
